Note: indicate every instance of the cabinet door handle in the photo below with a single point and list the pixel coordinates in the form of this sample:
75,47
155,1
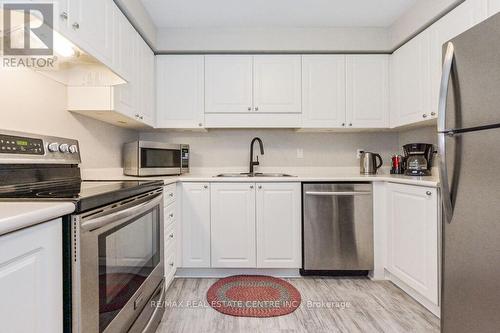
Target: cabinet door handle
256,108
424,116
76,26
249,108
64,15
171,215
171,194
350,124
433,114
429,193
200,125
171,236
343,124
251,186
260,187
171,264
205,186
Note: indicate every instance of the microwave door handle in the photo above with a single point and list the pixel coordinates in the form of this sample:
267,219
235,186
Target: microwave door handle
443,168
102,221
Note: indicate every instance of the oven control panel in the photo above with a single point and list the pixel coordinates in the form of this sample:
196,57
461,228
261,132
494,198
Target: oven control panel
18,147
21,145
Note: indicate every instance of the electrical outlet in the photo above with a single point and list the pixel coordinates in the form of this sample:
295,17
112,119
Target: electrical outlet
300,153
359,152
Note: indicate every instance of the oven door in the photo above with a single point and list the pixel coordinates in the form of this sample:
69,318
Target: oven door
117,263
159,159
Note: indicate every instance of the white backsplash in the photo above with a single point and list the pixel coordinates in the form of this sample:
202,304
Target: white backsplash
226,149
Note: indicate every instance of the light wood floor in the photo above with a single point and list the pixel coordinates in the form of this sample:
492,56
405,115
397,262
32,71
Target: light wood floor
373,307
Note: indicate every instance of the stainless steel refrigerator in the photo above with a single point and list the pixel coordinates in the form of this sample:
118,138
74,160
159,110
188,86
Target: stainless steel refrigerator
469,146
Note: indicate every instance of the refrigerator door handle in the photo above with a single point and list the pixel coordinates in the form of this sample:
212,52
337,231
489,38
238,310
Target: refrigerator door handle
443,168
445,82
443,179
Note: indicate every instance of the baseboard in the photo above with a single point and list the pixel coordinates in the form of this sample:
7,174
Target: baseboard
224,272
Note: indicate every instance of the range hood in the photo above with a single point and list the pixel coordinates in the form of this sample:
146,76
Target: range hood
71,65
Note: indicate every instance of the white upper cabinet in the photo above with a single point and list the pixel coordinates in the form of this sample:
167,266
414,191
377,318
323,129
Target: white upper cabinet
367,91
413,236
410,80
147,83
493,7
92,27
454,23
279,225
228,83
179,96
233,225
195,226
323,91
277,84
123,39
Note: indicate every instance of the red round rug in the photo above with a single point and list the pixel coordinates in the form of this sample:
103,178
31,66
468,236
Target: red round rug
253,296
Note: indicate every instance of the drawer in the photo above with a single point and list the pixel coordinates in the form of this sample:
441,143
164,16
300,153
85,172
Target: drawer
170,264
169,214
169,236
170,193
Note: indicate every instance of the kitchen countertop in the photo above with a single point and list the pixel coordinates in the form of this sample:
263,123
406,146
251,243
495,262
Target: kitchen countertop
301,175
22,214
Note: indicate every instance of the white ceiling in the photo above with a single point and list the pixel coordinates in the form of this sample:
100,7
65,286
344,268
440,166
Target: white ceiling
275,13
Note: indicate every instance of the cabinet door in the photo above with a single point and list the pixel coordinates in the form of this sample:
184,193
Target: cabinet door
147,83
451,25
279,225
233,225
410,81
126,95
180,91
367,85
31,279
123,39
323,91
228,84
91,21
195,225
413,237
277,84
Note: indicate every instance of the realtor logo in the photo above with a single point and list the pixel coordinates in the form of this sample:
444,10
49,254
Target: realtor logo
27,29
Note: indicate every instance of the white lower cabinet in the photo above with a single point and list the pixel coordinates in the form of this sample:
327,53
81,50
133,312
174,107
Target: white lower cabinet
278,208
413,239
233,225
31,286
241,225
195,224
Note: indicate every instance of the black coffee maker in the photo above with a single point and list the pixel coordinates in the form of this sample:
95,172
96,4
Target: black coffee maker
418,159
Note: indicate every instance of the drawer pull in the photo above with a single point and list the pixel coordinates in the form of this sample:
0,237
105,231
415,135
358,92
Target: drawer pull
171,235
171,215
171,264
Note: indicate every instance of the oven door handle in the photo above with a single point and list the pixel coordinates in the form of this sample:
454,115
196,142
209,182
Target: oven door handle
102,221
152,320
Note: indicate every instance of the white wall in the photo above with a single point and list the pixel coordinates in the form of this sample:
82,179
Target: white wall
275,39
420,15
231,148
30,102
140,17
304,39
426,134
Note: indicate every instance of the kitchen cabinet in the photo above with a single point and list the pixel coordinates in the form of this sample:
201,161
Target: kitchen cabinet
278,225
410,81
31,279
466,15
146,87
170,231
367,90
228,83
123,38
195,212
252,91
413,238
180,91
277,84
323,91
233,225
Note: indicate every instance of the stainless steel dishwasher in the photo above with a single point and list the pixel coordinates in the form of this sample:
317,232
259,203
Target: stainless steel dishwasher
337,228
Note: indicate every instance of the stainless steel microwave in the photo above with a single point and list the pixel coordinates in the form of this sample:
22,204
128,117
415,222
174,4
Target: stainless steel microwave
147,158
